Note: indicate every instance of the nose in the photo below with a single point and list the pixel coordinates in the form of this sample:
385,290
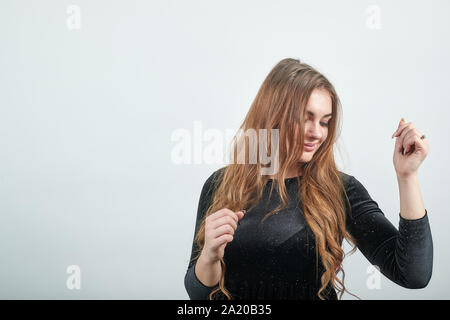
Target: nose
313,131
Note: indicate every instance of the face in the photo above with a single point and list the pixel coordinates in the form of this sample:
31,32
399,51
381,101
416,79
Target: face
318,114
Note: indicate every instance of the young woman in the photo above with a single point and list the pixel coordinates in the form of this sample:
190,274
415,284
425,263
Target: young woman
279,236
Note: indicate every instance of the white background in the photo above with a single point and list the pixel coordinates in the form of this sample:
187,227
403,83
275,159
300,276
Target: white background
86,118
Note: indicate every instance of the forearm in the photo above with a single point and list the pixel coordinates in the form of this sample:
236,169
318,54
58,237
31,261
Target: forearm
411,202
208,273
404,255
201,278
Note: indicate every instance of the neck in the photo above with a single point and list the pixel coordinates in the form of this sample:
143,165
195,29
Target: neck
291,173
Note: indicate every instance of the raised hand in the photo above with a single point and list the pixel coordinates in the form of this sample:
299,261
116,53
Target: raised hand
410,149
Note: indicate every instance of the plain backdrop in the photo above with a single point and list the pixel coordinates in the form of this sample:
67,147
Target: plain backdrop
92,91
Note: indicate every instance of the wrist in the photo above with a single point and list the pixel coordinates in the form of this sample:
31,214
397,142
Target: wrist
407,177
207,260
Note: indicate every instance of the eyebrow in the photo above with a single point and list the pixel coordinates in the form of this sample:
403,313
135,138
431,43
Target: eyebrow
312,113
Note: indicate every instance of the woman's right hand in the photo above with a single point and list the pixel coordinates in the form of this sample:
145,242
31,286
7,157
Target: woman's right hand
219,230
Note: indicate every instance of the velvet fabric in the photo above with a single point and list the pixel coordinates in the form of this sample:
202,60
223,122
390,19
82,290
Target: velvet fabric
277,259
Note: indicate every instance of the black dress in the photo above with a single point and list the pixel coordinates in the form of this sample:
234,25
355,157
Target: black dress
277,259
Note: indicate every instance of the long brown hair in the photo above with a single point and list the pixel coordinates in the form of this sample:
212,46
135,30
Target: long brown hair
281,104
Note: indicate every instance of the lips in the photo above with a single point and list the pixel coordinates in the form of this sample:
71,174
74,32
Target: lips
309,147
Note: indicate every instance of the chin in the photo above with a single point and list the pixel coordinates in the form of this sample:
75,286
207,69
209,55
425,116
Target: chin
306,158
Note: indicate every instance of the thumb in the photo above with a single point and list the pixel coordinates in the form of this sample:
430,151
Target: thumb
398,146
402,121
241,213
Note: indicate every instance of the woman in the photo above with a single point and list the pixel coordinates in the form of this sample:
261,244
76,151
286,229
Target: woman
286,244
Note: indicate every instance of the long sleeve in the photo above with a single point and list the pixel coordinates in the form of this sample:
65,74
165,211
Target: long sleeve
405,256
196,289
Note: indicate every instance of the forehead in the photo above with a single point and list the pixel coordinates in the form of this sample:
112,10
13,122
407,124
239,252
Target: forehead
319,103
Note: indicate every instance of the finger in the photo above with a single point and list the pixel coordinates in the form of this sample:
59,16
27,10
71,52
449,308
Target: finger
225,229
401,128
408,145
402,121
409,139
401,137
398,146
221,240
224,220
416,143
409,136
223,212
241,213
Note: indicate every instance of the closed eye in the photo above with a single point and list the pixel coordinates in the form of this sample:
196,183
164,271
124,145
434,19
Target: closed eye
324,124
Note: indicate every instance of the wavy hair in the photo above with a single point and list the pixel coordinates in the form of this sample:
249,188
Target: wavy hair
281,104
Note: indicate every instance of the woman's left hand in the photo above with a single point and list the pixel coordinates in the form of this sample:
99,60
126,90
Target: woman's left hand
415,149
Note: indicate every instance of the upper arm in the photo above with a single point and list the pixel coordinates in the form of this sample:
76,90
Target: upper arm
404,255
204,202
366,222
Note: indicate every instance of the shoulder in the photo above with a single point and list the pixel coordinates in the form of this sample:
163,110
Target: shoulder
347,179
214,178
353,185
216,175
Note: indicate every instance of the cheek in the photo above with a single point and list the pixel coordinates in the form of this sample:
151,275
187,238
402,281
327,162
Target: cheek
325,134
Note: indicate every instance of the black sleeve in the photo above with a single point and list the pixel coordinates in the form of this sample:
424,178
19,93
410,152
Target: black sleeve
405,256
196,289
